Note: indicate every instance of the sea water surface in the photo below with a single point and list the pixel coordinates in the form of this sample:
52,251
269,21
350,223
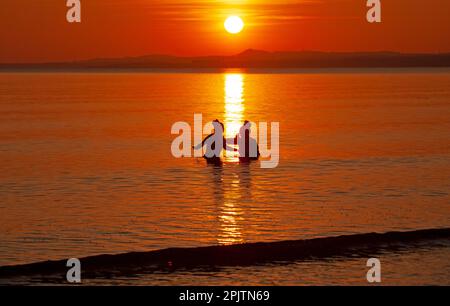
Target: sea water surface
87,169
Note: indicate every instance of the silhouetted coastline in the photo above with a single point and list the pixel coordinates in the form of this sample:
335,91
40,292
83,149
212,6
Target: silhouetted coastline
251,59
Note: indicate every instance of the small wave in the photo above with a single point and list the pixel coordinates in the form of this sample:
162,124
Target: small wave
246,254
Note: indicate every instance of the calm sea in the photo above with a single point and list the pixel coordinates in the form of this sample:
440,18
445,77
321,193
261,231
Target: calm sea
86,169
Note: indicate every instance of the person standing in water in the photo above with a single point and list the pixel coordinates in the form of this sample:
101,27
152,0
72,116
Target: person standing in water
214,143
248,146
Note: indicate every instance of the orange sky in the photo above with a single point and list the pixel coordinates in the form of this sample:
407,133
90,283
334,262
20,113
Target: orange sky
35,31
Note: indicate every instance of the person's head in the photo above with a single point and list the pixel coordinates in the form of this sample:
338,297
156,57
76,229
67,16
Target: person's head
245,128
218,126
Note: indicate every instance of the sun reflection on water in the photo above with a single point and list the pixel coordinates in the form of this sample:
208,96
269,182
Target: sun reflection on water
231,215
234,108
234,103
231,212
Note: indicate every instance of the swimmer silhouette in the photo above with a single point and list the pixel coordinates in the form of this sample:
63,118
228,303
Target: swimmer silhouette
214,143
248,146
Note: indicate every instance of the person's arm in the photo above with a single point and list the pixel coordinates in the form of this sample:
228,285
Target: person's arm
200,145
231,140
227,147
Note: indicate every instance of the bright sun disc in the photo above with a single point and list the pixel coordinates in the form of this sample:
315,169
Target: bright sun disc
234,24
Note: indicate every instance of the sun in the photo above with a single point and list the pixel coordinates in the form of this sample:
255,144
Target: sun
234,24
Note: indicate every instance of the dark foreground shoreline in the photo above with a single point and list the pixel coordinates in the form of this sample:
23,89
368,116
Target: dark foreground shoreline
247,254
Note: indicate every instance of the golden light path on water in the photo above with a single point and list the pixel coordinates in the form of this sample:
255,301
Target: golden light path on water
234,103
231,214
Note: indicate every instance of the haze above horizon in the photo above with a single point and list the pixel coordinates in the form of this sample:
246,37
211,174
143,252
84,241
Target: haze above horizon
39,32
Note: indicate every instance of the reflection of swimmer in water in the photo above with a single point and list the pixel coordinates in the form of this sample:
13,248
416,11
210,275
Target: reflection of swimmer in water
214,143
248,146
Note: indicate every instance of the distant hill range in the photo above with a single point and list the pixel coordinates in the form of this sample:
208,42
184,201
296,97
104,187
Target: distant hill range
255,59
